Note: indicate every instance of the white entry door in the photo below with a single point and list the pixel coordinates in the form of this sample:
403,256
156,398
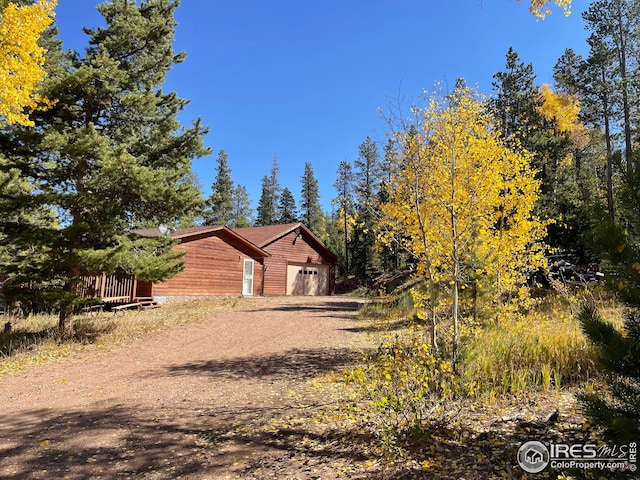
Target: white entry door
247,278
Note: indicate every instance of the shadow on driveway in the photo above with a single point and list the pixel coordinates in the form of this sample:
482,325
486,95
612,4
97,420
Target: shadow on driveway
324,306
293,364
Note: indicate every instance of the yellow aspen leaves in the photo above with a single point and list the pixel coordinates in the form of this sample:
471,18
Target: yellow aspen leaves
564,110
462,199
22,59
540,8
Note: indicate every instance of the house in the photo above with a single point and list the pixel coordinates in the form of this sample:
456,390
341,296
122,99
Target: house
218,262
298,262
271,260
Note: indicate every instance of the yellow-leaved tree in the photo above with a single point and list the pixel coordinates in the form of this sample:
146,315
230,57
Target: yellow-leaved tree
22,59
564,110
541,8
462,202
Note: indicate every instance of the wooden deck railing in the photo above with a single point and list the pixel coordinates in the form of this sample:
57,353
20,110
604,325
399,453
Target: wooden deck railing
109,288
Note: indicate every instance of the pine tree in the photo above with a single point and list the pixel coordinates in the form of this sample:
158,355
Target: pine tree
270,196
522,112
590,81
614,27
109,156
242,212
288,212
220,203
344,187
617,411
516,101
367,179
274,186
310,210
266,208
569,73
389,251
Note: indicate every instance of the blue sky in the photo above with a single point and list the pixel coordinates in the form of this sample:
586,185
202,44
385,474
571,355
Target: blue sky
305,79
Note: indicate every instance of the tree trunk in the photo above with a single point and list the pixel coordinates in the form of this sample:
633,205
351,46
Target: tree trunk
622,59
62,320
456,327
607,136
434,320
346,246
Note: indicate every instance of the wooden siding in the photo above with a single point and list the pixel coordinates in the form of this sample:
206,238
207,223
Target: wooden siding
290,248
213,266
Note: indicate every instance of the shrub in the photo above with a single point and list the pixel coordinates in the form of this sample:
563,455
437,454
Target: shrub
408,388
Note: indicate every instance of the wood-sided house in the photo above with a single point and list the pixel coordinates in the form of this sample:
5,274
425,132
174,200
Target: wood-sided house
298,262
271,260
218,262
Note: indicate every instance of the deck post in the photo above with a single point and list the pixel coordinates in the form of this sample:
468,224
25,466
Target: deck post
103,284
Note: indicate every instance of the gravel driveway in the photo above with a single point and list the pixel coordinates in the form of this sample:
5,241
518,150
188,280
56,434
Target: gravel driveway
214,399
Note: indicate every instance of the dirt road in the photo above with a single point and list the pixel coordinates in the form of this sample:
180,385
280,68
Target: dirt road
224,398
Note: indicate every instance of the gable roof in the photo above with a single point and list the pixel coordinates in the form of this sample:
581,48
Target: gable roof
264,236
185,233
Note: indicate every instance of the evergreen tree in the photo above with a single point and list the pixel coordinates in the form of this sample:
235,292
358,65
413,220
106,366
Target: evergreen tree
367,179
526,120
389,250
516,101
274,186
266,208
242,212
334,237
617,411
311,212
569,73
344,200
220,203
613,24
288,212
270,197
109,156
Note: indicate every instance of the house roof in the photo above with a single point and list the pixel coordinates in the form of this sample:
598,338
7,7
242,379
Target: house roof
178,233
263,236
185,233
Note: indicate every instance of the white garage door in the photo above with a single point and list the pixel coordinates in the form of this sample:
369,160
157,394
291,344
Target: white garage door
307,279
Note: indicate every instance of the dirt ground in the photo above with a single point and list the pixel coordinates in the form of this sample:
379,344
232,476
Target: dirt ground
228,397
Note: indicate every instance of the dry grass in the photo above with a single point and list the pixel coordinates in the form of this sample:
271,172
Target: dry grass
536,350
542,348
35,340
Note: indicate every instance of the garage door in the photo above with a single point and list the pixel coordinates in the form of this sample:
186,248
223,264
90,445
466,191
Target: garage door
307,279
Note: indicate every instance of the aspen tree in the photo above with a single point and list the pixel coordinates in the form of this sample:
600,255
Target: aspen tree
22,59
463,201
